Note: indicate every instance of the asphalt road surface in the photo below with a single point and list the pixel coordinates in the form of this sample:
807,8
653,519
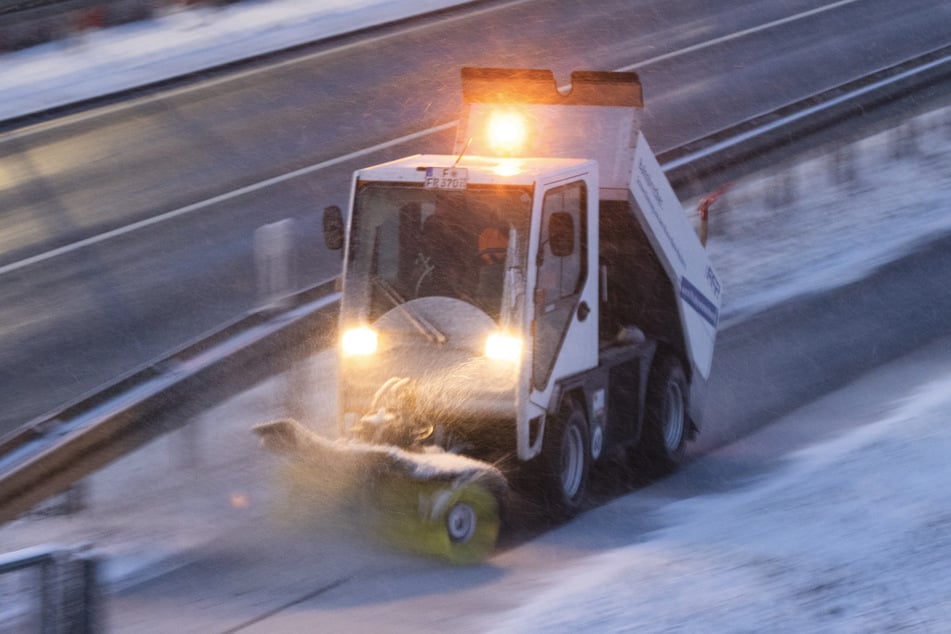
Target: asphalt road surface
127,229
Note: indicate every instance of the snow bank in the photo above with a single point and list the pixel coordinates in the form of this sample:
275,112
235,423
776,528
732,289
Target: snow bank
122,57
832,219
853,535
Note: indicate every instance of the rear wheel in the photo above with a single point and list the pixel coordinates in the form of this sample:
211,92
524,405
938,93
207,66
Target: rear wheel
566,462
664,442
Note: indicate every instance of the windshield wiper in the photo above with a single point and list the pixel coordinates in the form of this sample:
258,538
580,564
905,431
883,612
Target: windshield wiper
423,325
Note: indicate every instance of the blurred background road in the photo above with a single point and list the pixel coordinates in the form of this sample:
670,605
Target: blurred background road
127,229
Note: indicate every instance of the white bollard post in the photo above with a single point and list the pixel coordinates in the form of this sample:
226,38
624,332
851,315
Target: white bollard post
272,252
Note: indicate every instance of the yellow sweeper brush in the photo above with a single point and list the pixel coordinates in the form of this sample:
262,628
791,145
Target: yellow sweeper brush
428,502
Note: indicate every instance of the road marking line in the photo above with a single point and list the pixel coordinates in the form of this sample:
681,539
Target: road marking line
215,81
14,266
738,34
241,191
86,116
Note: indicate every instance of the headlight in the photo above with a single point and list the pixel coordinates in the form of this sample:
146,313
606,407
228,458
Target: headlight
359,341
503,347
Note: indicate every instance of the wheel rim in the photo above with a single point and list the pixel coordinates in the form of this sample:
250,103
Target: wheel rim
572,462
461,523
674,419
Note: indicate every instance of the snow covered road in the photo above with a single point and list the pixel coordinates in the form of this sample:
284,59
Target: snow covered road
850,535
826,519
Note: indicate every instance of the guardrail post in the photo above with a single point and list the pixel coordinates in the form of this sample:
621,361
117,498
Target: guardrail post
903,141
69,502
189,441
296,391
68,593
76,497
842,166
80,595
782,189
49,593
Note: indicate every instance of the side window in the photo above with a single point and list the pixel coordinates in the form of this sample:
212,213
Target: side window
559,279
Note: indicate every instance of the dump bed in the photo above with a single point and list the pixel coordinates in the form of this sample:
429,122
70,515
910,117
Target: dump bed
695,283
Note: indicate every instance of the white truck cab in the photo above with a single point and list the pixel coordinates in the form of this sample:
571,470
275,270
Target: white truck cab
537,296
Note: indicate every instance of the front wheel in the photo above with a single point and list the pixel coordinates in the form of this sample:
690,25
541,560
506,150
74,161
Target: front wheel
566,462
458,521
665,424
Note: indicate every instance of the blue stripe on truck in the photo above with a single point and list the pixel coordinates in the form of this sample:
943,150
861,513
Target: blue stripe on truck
699,302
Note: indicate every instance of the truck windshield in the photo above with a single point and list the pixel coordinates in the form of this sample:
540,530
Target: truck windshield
408,242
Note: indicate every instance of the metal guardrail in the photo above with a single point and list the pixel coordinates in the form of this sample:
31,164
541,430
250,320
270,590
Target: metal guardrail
50,453
65,594
19,6
25,23
851,108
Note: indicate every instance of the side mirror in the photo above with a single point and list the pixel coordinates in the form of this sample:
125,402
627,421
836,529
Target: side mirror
561,234
333,228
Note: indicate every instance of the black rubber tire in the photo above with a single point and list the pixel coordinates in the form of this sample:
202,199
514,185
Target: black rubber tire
566,462
663,443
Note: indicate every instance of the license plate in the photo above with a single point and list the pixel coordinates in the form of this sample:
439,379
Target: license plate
446,178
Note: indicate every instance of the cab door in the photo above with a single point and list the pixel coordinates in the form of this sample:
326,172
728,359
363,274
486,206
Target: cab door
565,324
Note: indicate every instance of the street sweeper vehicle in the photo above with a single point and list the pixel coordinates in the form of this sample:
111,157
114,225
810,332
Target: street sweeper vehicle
513,313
